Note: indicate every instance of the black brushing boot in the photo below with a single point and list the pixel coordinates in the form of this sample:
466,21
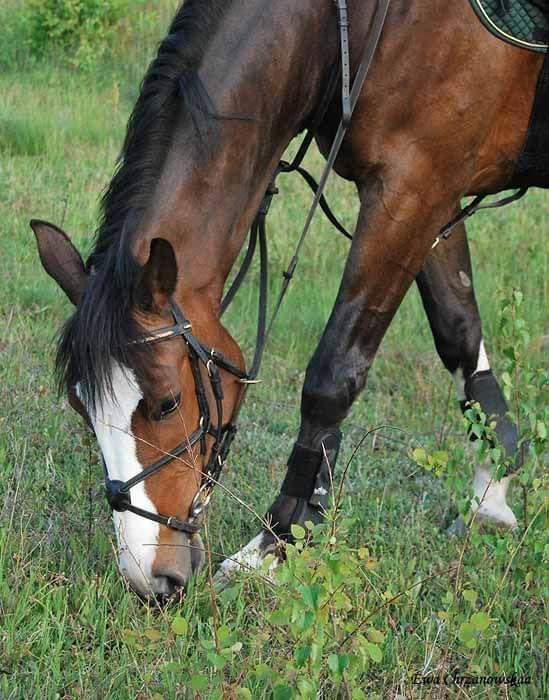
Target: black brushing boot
305,492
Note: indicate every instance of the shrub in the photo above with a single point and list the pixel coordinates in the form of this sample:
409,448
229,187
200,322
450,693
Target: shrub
82,29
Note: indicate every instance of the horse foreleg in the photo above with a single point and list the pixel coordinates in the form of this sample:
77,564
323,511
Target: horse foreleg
394,234
446,288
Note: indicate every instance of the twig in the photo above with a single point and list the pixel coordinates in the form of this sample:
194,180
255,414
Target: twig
215,611
392,600
508,568
468,536
445,416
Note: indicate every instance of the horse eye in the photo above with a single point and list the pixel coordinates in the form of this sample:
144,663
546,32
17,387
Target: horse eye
167,406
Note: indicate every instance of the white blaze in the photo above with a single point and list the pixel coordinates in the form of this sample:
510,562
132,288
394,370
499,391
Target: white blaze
111,421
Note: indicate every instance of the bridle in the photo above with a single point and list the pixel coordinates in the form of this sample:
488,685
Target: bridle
118,492
200,355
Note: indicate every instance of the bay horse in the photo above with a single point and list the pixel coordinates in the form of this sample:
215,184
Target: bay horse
443,114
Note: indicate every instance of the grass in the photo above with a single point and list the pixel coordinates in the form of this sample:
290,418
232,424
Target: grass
69,627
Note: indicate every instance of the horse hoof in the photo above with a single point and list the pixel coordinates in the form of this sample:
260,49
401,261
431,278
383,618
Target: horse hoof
457,529
503,518
250,558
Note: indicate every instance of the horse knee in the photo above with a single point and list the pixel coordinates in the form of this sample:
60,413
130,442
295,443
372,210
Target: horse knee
458,340
329,391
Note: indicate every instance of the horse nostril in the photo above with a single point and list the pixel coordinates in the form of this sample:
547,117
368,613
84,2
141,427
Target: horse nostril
176,583
171,584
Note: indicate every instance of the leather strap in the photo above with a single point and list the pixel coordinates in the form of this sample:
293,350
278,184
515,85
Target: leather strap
343,24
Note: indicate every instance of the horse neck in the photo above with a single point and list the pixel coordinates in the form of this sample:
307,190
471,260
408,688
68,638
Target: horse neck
264,71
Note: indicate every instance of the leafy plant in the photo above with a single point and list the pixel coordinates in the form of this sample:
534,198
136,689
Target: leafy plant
309,638
81,29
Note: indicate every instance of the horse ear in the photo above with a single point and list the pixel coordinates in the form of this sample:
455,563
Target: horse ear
158,277
60,259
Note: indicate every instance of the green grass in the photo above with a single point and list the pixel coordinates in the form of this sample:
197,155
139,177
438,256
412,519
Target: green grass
69,628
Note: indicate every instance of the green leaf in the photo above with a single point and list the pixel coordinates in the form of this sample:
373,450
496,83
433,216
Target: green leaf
282,692
311,594
199,682
236,647
216,660
172,667
419,456
480,621
375,636
307,687
153,635
297,531
374,652
243,694
477,429
278,618
333,663
337,663
267,562
131,637
306,622
466,632
224,635
470,596
179,625
302,654
230,594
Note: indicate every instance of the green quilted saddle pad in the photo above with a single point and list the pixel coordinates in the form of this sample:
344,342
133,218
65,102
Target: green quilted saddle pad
518,22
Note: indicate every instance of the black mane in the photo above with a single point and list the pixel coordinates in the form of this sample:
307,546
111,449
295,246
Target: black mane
102,329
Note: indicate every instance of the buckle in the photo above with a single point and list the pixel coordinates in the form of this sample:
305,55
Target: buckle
118,499
200,502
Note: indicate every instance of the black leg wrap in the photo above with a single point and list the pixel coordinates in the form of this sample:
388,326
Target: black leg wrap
483,388
306,488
